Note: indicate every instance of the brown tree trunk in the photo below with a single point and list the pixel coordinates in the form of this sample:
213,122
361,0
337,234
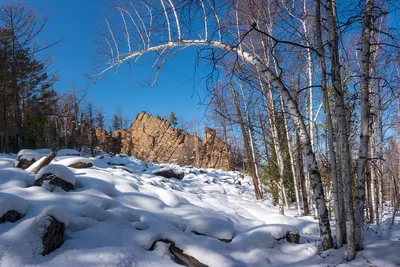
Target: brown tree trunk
45,162
246,143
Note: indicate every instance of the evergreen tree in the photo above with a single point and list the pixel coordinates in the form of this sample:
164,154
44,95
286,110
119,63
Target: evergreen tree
100,119
117,122
173,120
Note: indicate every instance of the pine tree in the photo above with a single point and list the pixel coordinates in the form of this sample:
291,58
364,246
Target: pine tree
117,122
173,120
100,119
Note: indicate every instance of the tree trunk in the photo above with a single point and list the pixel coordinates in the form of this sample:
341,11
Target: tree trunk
246,143
339,223
299,164
45,162
365,119
295,180
342,127
380,151
278,151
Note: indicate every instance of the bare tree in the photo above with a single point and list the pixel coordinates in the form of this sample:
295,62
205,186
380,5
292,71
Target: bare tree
175,35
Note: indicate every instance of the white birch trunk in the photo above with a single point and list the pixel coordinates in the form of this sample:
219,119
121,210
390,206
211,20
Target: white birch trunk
290,104
330,137
365,119
295,180
342,127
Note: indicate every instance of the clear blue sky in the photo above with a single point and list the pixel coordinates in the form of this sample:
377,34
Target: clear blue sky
76,23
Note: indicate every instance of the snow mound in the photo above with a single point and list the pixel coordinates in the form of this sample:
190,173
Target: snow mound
7,163
127,216
28,154
67,161
210,226
57,212
68,152
15,178
60,171
11,202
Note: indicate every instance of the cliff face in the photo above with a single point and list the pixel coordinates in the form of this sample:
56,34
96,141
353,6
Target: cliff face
153,139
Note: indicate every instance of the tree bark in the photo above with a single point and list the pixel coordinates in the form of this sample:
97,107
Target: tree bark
45,162
339,223
246,143
295,180
365,119
342,127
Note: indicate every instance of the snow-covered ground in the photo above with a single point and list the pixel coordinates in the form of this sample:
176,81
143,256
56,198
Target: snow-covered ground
119,208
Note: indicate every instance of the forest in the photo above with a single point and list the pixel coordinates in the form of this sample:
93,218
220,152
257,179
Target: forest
306,93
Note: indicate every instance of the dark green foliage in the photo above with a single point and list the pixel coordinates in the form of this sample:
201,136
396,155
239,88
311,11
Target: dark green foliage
173,119
100,120
27,97
117,121
271,175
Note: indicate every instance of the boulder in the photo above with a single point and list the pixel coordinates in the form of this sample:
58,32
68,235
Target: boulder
53,236
169,173
293,238
56,175
26,158
55,181
81,165
25,163
12,207
11,216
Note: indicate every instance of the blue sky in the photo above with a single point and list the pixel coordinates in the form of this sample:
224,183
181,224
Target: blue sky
76,23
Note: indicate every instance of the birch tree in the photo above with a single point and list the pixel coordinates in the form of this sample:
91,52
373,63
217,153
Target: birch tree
343,138
365,120
172,35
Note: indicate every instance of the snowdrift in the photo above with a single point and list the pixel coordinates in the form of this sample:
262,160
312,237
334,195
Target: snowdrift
120,213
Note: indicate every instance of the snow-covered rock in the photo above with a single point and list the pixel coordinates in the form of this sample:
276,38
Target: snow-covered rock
55,175
169,173
28,154
210,226
9,202
73,162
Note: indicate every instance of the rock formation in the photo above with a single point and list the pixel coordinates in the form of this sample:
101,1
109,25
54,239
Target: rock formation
153,139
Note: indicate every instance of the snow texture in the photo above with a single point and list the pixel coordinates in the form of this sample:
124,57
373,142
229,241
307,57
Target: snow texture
69,160
116,215
68,152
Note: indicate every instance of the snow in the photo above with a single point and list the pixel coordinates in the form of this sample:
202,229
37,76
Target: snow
57,213
7,163
11,202
60,171
68,152
117,213
70,160
28,154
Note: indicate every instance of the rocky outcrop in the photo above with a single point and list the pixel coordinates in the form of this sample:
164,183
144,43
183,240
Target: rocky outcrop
153,139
